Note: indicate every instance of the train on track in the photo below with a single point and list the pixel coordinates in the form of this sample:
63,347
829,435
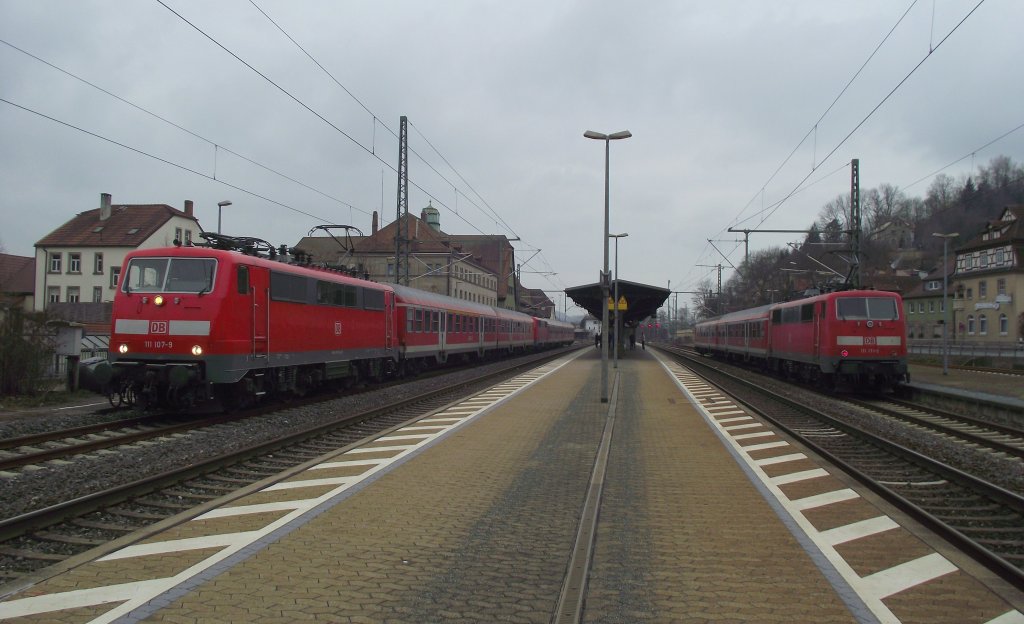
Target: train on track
852,340
233,323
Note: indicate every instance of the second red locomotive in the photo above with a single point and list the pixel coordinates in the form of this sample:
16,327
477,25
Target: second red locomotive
854,339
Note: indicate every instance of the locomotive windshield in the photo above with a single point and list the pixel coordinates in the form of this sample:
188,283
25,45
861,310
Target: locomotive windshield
866,308
157,275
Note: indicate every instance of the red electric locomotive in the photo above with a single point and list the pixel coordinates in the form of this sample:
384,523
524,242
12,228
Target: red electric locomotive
192,324
854,338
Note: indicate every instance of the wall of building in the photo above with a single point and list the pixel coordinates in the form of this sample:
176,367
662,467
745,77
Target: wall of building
86,279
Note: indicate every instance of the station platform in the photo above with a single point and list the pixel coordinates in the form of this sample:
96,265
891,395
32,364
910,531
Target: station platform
471,513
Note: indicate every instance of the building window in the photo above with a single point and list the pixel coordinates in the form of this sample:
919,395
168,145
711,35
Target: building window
1001,286
97,264
188,237
177,235
73,295
931,307
983,325
970,293
970,324
115,273
55,260
53,294
391,269
982,289
1004,325
97,294
74,263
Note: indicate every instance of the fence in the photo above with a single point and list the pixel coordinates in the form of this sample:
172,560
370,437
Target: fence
1005,352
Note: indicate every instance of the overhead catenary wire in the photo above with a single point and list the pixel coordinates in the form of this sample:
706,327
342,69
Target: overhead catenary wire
160,159
814,127
178,126
492,212
768,212
964,157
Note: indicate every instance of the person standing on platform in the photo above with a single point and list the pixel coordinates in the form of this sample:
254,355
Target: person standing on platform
597,340
643,341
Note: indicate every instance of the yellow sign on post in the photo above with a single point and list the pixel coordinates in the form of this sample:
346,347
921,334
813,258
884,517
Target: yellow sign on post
622,304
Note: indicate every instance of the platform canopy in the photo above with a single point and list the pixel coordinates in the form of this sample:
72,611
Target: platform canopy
641,300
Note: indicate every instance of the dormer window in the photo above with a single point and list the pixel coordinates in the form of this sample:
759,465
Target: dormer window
133,231
97,229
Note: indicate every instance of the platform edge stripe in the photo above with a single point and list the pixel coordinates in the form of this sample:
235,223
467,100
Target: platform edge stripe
781,459
907,575
369,463
282,486
857,530
217,540
381,449
732,420
752,425
826,498
77,598
1010,617
765,445
241,510
757,434
796,477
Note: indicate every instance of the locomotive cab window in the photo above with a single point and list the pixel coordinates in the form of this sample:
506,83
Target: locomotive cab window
866,309
181,275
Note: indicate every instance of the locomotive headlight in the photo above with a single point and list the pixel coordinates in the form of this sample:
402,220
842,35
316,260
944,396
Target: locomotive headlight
197,350
122,349
158,300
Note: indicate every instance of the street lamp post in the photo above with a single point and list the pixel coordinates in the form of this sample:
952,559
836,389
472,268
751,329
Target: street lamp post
607,138
618,328
220,206
945,289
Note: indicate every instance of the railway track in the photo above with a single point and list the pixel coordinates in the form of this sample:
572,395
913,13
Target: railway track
34,541
999,439
63,444
984,520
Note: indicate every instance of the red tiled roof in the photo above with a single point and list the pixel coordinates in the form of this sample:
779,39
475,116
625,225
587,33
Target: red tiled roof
17,274
128,226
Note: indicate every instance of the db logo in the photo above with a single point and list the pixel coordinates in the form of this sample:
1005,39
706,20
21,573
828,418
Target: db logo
158,327
337,328
869,340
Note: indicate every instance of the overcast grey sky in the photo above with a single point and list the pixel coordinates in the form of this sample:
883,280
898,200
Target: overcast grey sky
498,95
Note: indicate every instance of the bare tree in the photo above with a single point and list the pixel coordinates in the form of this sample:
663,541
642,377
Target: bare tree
837,210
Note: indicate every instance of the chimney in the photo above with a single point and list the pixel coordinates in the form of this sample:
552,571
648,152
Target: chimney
104,206
188,207
375,224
